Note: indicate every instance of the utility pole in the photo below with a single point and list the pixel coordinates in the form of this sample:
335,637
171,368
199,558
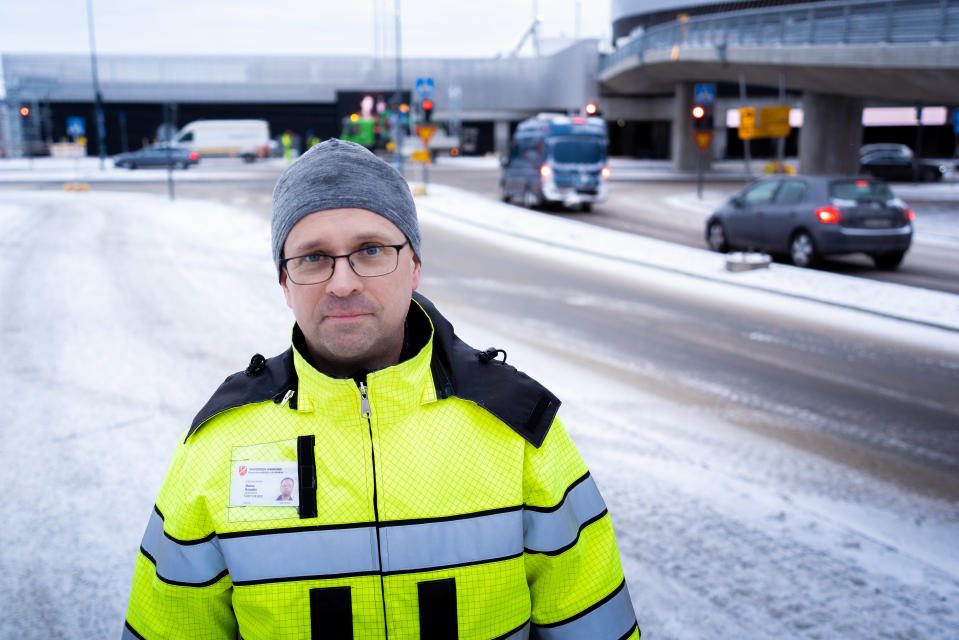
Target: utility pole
97,96
398,98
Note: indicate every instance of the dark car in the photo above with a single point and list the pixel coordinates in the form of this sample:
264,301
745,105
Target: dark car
157,155
808,217
897,162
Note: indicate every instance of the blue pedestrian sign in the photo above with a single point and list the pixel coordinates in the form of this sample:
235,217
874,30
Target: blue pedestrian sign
704,94
425,87
76,126
955,122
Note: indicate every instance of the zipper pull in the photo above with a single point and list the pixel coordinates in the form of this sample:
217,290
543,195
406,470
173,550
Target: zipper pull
365,410
286,398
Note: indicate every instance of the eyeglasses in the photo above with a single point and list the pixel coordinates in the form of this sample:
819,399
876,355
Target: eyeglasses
368,262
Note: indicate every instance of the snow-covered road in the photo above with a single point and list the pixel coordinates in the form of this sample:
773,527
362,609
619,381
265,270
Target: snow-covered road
122,312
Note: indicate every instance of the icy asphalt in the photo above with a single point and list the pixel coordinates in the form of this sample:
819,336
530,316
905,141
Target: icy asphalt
113,314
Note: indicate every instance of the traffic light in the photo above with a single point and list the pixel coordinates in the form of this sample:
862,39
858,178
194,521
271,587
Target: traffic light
24,111
702,118
591,109
427,110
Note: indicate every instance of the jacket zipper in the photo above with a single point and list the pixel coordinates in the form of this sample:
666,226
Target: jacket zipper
366,412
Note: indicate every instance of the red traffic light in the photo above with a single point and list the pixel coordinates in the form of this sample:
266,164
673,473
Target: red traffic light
427,105
698,112
24,111
591,109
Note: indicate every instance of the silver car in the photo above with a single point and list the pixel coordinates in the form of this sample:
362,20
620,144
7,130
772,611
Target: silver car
157,155
809,217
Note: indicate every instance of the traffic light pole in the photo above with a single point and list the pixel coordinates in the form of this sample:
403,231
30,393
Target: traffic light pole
742,98
699,175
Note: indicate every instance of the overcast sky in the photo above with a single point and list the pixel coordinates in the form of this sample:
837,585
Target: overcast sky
430,28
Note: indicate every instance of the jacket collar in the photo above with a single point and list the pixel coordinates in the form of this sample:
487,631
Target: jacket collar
394,390
455,369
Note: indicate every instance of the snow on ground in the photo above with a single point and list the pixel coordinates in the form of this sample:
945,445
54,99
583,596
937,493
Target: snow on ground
113,331
87,169
620,253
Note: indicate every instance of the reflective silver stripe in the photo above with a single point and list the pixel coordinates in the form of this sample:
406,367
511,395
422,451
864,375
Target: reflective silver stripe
520,634
129,635
199,563
301,554
609,621
554,530
414,547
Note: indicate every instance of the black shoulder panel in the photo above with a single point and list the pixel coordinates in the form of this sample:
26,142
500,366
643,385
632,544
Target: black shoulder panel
523,404
264,379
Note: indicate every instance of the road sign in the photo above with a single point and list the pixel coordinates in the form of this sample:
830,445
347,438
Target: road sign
703,138
704,94
955,122
425,132
421,155
773,122
425,87
76,126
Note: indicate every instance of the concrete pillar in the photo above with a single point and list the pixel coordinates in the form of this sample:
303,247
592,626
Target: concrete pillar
684,151
831,134
501,137
11,128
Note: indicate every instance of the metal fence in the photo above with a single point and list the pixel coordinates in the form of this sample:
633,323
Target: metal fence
820,23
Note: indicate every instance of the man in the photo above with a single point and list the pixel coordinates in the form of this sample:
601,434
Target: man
286,490
439,495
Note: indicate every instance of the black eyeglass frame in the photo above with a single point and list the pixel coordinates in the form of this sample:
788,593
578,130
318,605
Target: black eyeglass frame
348,256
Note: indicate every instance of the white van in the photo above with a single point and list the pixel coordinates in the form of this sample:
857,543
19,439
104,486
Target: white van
247,139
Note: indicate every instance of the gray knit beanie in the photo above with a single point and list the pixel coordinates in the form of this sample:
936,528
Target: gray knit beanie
337,174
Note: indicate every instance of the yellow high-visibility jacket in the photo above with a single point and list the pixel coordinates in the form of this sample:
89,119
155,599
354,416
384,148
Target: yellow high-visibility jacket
440,498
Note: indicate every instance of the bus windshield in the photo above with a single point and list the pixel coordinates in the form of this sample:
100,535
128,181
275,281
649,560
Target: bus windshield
579,151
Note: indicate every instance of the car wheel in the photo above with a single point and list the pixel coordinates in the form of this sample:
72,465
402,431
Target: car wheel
530,199
716,237
802,250
183,165
889,260
132,166
503,193
585,207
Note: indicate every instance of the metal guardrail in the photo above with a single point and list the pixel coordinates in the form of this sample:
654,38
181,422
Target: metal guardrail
820,23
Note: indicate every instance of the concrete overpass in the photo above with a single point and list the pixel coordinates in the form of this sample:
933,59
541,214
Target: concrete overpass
496,91
838,54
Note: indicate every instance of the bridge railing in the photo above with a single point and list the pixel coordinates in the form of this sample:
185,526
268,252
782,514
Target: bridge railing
820,23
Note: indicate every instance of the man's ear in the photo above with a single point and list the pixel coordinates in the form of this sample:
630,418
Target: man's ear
416,272
286,288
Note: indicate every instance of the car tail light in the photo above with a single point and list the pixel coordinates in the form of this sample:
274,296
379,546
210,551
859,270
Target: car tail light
606,173
454,151
910,214
827,215
194,155
579,120
862,183
545,170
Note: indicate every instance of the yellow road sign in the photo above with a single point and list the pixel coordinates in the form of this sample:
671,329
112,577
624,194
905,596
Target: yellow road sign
425,132
773,122
421,155
703,138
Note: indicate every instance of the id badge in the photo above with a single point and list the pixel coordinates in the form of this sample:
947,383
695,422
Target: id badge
264,484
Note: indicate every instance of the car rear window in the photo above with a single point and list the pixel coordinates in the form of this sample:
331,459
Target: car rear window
584,151
860,190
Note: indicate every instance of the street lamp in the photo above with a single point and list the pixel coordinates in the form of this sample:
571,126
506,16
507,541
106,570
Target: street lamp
97,96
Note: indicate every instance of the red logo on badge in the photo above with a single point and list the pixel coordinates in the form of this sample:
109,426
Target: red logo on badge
242,469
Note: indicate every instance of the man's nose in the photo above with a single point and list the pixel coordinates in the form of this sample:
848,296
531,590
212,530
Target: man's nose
344,280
